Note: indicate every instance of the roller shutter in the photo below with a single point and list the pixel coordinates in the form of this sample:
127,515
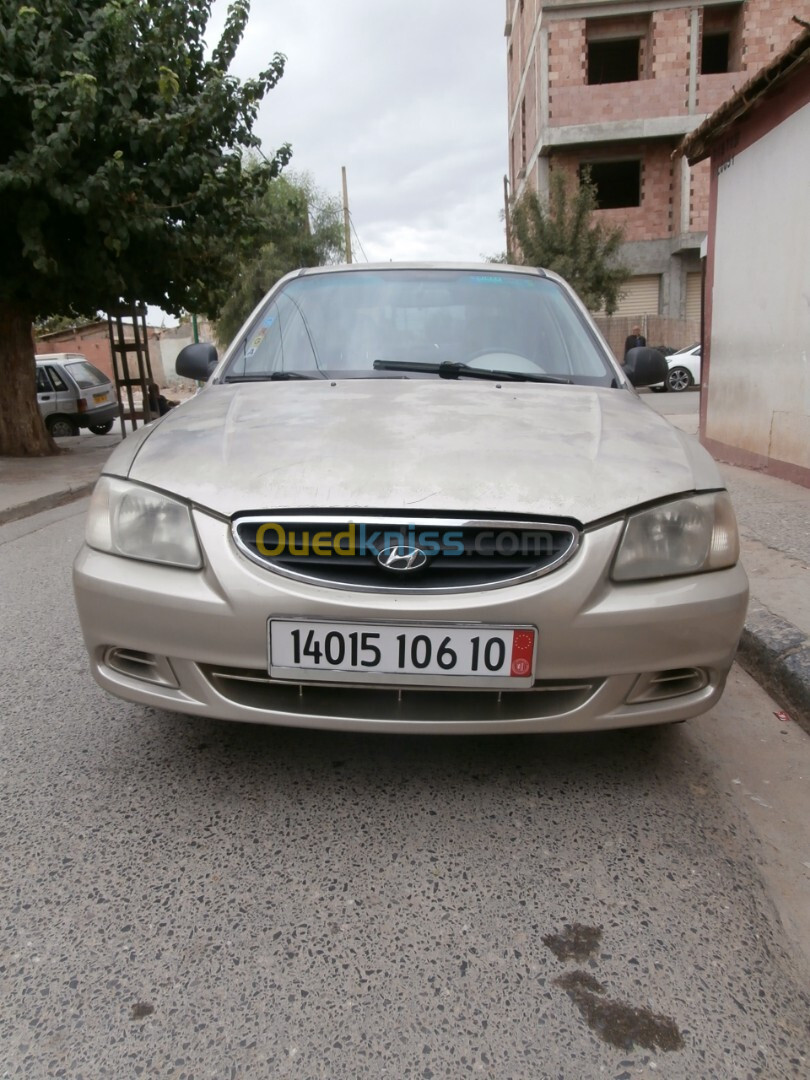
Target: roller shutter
640,296
693,291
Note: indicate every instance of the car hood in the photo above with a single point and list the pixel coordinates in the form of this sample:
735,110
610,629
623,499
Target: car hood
424,445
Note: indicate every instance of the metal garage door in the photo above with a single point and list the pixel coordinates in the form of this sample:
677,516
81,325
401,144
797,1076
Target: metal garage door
693,293
640,296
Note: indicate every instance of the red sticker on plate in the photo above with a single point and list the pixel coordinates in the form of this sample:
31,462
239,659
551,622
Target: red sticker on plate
522,653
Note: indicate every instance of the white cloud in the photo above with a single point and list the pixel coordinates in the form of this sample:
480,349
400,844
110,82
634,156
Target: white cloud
409,95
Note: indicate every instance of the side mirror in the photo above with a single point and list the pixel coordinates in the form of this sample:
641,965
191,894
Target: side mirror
645,367
196,361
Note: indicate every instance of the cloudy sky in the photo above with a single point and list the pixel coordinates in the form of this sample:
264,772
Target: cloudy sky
409,95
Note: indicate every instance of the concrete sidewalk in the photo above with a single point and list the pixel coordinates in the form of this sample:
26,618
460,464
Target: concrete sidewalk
774,518
30,485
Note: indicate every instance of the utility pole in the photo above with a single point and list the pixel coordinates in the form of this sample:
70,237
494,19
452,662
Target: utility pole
506,219
346,223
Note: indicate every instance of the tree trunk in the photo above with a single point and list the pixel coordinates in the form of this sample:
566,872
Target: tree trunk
22,432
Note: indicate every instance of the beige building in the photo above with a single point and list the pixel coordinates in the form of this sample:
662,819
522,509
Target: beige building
615,85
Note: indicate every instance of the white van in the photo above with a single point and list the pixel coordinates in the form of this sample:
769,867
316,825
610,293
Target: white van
74,394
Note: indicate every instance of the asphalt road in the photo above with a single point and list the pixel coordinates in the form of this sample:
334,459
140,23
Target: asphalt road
197,900
669,404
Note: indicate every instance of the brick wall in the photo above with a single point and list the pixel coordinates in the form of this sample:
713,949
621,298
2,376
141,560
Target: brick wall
669,45
767,30
567,54
518,47
763,29
664,63
641,100
92,342
699,176
653,220
658,330
712,90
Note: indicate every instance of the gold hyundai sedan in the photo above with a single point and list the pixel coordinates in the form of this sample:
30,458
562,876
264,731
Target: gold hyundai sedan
415,498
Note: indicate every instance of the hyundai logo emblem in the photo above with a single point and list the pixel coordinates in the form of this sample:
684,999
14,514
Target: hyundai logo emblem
402,559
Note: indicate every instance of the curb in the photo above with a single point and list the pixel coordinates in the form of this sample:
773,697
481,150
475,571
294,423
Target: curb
46,502
777,655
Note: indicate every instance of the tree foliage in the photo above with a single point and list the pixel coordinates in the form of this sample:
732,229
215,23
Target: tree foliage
561,234
297,225
50,324
121,167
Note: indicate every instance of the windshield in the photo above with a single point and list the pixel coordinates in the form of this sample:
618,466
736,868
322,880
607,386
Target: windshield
337,324
85,375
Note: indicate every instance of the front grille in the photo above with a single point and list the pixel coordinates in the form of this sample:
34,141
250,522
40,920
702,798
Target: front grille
254,689
452,554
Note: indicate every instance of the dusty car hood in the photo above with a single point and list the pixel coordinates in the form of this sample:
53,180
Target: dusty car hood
425,445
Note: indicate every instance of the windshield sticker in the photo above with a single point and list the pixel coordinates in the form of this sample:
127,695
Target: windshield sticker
268,321
254,345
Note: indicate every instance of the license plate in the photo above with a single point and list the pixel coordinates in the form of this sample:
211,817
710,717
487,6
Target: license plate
98,398
392,655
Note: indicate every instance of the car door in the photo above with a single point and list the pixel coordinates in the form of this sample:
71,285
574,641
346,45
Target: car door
696,364
46,395
65,392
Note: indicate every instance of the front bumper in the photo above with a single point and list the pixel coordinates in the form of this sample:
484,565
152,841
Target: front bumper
600,644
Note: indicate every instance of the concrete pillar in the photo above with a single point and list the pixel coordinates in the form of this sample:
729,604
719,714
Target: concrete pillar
694,44
685,194
542,176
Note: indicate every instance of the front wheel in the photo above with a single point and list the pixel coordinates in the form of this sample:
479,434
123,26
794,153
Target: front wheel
678,379
61,427
102,429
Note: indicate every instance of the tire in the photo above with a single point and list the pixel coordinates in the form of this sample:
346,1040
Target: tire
102,429
61,427
678,380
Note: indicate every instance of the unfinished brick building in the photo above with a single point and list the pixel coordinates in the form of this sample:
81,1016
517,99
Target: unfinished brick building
615,85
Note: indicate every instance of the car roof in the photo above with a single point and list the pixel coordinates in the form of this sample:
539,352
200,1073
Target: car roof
490,268
58,357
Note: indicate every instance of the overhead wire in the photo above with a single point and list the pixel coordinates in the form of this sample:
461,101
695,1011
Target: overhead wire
357,238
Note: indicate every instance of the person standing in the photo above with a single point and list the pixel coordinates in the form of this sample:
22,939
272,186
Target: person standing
636,340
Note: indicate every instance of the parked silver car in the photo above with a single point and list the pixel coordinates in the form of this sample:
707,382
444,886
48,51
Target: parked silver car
72,393
415,498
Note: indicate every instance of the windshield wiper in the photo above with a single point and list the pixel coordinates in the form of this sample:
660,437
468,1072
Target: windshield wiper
272,376
450,370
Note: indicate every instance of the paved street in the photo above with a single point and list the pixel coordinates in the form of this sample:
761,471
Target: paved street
200,900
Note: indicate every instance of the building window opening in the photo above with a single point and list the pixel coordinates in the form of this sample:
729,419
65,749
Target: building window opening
721,40
613,61
617,183
715,51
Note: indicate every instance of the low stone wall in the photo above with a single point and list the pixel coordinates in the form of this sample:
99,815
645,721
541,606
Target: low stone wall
657,329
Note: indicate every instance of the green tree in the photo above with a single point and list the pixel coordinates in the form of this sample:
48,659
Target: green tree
121,168
561,234
51,323
298,225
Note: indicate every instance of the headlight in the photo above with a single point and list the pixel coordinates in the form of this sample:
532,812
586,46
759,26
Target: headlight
687,536
138,523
